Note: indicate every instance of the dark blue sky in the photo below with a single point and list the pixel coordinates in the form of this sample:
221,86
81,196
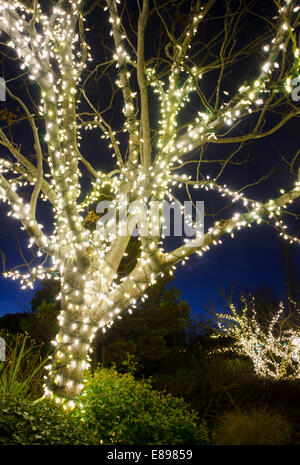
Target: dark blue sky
254,259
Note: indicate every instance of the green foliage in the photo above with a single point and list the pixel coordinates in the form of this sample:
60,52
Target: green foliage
123,410
23,365
27,423
258,426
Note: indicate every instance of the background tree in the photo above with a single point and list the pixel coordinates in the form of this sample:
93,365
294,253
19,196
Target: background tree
271,339
12,322
41,321
155,335
152,140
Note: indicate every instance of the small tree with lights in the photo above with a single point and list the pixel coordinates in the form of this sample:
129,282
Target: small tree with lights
153,138
272,344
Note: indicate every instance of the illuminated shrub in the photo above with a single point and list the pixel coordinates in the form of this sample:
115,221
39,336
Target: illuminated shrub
272,344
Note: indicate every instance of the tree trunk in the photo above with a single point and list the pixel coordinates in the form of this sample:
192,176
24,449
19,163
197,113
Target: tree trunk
73,341
71,355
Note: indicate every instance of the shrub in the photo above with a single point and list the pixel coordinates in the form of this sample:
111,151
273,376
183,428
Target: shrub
258,426
214,385
124,410
26,423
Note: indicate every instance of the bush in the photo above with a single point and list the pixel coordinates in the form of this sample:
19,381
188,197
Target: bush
284,394
26,423
21,372
258,426
123,410
213,385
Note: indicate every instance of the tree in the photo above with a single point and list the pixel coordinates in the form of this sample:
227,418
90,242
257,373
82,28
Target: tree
270,340
155,334
42,324
48,293
151,139
41,321
12,322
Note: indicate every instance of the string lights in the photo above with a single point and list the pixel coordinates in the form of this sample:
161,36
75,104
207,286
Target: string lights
271,345
52,49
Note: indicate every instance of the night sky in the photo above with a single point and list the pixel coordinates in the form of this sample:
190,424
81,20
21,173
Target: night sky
254,258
